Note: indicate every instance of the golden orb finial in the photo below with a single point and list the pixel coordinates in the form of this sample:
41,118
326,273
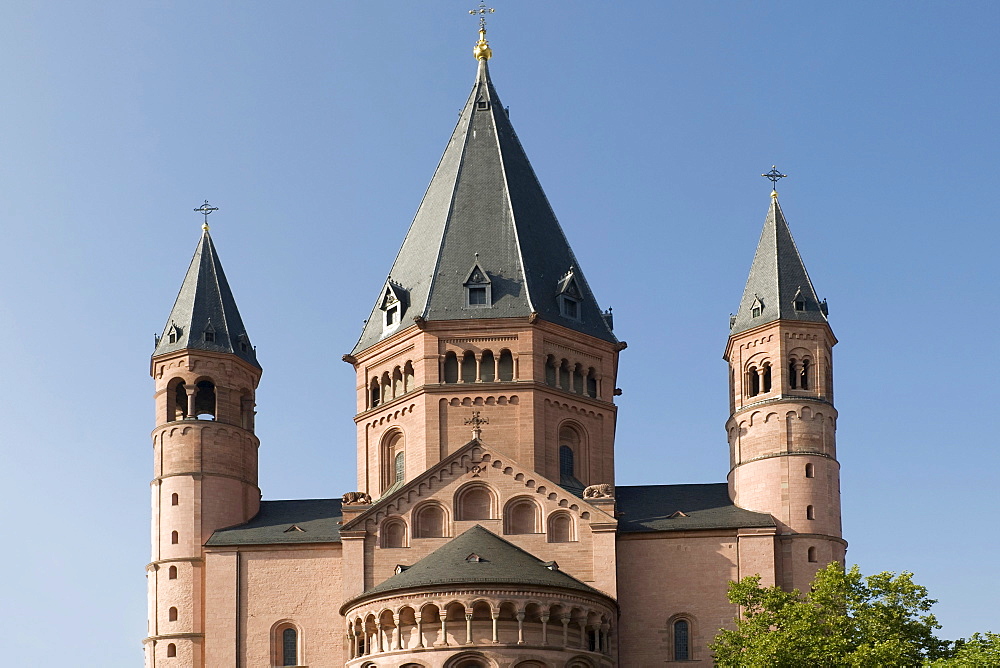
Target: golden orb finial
774,194
482,50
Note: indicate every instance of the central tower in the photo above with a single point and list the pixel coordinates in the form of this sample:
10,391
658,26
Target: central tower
485,309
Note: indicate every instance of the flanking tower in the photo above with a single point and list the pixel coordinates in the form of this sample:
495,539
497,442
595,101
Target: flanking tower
485,309
204,452
782,424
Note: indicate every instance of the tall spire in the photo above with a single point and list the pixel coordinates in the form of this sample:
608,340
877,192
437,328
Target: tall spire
204,316
484,220
778,287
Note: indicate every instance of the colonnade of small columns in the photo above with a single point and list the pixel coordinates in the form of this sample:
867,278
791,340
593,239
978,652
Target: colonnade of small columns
572,377
759,376
484,366
456,625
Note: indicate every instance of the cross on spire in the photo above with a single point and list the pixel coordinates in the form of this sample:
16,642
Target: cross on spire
482,50
206,209
482,11
774,176
477,424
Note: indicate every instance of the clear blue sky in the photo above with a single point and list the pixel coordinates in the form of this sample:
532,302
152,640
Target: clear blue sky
315,127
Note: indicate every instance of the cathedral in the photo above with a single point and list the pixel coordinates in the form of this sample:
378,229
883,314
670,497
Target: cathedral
487,529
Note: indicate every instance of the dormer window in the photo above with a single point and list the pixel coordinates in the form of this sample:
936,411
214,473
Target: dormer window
478,288
757,307
244,343
798,301
173,334
569,296
393,305
209,333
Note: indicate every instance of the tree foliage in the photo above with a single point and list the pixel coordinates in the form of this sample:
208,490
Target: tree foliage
846,619
982,649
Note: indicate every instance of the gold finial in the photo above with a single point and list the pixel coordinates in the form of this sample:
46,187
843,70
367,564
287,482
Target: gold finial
774,194
482,50
206,209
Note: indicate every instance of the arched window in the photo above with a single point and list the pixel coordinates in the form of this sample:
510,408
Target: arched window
793,376
386,387
475,502
810,471
578,379
399,466
469,367
204,402
172,573
178,408
564,375
172,615
810,513
506,366
560,528
171,650
408,377
753,382
682,640
174,499
174,538
767,378
246,409
289,647
375,393
393,533
812,554
566,461
592,383
393,460
450,368
397,382
521,516
805,375
550,371
429,521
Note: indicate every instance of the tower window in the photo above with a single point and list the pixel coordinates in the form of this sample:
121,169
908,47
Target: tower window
210,337
804,384
172,573
174,538
399,466
477,296
812,555
800,305
682,643
172,615
171,650
810,513
174,499
810,471
755,312
289,647
478,289
391,316
566,461
569,307
767,378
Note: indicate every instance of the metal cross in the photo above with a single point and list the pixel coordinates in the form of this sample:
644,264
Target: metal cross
206,209
774,176
477,424
483,10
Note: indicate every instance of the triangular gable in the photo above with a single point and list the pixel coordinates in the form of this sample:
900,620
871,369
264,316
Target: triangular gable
477,276
475,460
391,294
568,285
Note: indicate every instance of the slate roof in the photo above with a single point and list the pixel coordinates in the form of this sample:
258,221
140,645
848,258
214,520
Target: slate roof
484,198
776,275
643,508
500,563
318,519
206,304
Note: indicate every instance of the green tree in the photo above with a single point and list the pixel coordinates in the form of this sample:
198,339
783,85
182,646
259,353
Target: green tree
846,619
979,650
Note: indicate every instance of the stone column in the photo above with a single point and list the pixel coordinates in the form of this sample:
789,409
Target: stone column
565,623
378,637
496,368
495,616
420,631
606,638
396,635
444,627
520,628
545,629
191,393
583,634
479,368
468,628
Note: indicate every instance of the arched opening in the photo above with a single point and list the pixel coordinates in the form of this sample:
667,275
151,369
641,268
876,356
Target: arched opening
386,387
591,383
793,375
487,367
475,502
429,521
506,366
753,382
374,393
246,409
812,555
174,538
175,499
810,513
450,367
521,516
408,377
393,533
177,408
397,382
804,384
810,471
171,650
172,615
393,461
567,464
469,367
578,379
550,371
682,640
286,645
172,573
560,529
564,375
204,401
767,378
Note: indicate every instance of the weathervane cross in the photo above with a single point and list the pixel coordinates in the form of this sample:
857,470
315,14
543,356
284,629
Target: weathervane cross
482,11
206,209
774,176
477,423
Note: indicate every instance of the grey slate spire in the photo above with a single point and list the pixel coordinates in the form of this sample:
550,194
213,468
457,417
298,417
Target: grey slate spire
484,212
778,287
205,316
